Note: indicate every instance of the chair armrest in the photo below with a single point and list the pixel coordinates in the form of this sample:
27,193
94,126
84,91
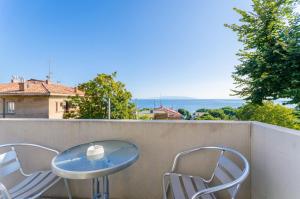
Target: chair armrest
30,145
4,192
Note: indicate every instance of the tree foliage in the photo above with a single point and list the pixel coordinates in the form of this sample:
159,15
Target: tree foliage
145,117
207,116
270,57
269,113
229,111
185,113
95,102
202,110
217,113
225,113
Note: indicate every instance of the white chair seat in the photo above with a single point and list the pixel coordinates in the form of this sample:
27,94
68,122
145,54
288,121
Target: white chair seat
184,187
34,185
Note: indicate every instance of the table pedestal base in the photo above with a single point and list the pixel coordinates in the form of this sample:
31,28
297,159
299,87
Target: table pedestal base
98,191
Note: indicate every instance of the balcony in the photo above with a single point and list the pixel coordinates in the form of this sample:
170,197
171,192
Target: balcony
273,152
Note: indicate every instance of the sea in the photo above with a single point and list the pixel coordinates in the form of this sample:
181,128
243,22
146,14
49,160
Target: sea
189,104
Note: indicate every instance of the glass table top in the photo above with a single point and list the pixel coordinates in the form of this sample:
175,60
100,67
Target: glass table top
74,163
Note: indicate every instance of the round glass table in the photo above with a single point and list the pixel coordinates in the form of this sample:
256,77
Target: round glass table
78,163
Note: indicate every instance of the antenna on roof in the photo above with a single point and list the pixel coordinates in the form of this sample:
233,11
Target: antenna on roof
49,76
17,79
160,100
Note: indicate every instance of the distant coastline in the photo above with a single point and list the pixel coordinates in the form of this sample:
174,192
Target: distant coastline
189,104
192,104
169,98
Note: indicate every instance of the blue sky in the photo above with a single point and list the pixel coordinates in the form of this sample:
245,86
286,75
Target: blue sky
158,47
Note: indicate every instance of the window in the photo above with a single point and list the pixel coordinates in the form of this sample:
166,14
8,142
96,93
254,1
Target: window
56,106
10,107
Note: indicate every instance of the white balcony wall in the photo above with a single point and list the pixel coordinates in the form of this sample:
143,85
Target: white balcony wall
275,162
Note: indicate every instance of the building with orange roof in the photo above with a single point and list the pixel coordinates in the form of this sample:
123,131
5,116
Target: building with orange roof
164,113
34,99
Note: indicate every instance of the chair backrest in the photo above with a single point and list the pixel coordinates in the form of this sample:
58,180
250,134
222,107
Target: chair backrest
9,163
227,171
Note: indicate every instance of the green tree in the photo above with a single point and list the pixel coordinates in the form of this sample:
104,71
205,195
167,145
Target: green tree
202,110
145,109
145,117
269,113
185,113
230,112
217,113
225,113
297,114
270,57
207,116
95,102
212,114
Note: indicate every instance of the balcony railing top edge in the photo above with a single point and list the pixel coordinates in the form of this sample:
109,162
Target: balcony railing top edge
276,128
125,120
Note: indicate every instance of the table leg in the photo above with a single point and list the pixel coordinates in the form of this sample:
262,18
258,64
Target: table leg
96,189
105,187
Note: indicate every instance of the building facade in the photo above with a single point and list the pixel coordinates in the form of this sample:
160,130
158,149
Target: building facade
35,99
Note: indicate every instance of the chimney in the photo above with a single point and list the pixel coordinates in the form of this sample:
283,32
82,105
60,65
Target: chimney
76,89
23,86
47,81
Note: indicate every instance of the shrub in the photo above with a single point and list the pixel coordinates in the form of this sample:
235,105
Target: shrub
185,113
207,116
217,113
229,111
269,113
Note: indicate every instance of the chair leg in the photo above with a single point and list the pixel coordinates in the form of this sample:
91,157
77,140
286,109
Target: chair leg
67,188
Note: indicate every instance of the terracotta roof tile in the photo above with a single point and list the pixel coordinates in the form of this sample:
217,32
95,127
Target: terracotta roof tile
37,87
171,113
61,89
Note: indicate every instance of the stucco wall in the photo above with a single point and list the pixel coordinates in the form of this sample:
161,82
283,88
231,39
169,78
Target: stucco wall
59,113
1,107
158,142
275,162
27,107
